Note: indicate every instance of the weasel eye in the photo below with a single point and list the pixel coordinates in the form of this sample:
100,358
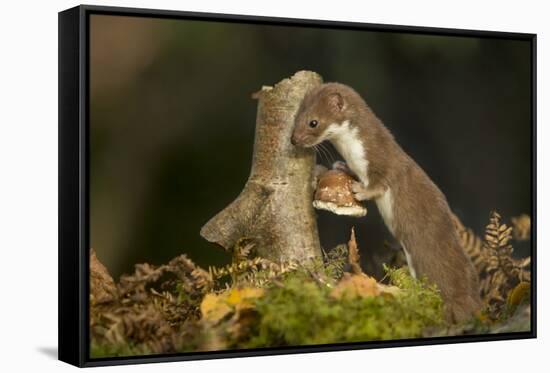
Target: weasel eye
313,123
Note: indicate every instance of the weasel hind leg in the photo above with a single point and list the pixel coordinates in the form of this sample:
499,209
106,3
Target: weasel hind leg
465,302
458,310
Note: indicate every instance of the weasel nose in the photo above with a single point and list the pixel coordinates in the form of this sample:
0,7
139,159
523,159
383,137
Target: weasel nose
292,140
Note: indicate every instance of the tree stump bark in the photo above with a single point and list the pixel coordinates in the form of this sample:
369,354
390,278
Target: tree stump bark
274,210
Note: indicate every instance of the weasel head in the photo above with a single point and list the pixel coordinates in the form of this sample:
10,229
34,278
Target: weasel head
323,111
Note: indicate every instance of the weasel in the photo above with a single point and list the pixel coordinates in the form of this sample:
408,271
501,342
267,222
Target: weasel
413,208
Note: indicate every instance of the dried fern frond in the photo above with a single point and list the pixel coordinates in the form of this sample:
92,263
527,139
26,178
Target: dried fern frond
242,249
182,269
152,308
501,272
472,245
498,271
522,227
255,272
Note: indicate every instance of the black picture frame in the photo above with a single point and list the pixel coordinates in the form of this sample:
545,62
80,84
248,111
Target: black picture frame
74,184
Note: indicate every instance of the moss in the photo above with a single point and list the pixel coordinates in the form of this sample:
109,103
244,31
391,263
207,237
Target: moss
300,312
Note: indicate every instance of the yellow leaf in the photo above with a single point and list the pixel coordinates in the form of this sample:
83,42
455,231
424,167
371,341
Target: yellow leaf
241,297
214,307
519,293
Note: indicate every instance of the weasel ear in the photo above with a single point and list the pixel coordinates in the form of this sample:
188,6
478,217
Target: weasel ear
336,102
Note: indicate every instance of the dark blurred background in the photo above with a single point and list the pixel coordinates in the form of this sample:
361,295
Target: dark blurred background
172,125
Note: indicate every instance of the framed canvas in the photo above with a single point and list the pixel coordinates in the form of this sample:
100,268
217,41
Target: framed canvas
238,186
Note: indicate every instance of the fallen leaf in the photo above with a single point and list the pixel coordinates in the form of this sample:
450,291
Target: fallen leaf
215,307
355,286
519,293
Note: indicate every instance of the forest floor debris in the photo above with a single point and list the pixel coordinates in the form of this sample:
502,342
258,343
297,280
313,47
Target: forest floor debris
253,302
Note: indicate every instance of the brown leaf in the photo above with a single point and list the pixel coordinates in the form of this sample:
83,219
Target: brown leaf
355,286
102,285
353,254
522,227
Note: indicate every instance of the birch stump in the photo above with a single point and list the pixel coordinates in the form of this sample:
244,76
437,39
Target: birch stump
274,210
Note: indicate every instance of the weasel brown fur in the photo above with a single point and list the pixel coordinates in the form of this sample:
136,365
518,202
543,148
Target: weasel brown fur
413,208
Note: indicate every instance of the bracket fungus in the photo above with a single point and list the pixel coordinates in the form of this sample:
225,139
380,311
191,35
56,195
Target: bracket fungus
334,194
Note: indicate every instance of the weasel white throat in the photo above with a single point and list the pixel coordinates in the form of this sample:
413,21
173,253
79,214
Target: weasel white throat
347,142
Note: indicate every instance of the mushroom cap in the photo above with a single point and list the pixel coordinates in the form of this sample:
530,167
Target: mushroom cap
334,194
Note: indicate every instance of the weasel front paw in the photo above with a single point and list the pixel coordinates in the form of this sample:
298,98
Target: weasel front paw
318,171
360,193
341,166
